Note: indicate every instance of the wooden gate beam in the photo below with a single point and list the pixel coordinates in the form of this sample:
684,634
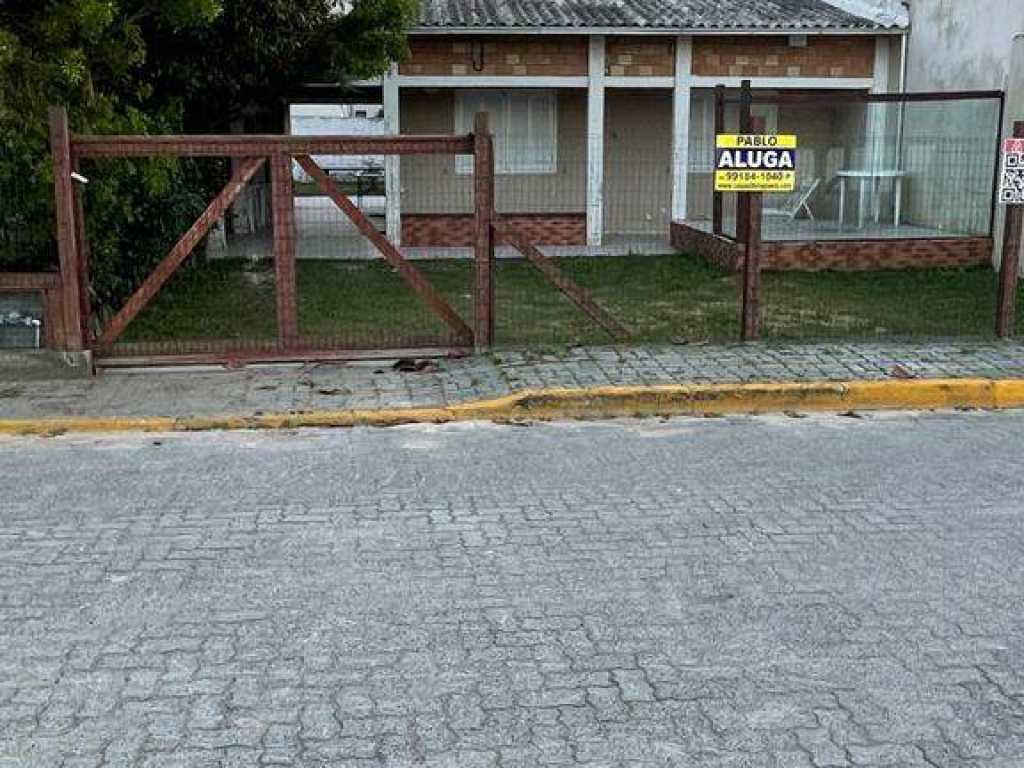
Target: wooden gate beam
67,241
252,145
578,295
180,251
283,217
405,269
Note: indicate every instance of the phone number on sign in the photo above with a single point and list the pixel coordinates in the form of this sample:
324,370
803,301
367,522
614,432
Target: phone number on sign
754,181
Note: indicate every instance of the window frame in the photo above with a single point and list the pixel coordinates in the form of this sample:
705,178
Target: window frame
464,118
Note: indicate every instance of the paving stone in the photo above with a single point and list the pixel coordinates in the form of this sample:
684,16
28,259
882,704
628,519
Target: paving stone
742,593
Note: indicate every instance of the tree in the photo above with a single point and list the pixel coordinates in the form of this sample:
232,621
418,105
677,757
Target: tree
257,51
156,66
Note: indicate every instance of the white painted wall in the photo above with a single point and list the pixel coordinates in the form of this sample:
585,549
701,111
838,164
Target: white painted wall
962,44
958,45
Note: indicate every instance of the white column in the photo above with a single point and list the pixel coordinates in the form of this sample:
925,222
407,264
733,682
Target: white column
681,127
595,142
392,163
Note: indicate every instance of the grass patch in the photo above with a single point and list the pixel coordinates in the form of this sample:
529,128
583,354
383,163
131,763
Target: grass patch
660,298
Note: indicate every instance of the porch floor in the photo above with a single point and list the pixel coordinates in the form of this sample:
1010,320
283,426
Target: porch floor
322,232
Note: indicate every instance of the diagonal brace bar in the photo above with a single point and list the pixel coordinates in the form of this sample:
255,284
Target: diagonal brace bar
579,296
407,271
152,284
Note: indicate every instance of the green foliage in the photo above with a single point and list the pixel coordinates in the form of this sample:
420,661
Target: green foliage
157,66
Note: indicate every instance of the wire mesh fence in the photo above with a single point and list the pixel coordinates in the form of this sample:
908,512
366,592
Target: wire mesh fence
917,174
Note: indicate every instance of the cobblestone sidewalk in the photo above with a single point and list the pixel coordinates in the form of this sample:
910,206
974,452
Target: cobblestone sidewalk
373,385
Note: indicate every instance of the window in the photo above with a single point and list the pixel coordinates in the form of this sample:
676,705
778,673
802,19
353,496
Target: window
702,127
525,127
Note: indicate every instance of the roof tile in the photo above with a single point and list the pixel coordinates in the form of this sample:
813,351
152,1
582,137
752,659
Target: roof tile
643,14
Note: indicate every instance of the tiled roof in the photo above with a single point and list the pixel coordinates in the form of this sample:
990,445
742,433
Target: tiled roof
651,14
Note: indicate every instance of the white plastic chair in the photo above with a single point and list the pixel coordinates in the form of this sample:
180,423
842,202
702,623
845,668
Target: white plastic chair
796,201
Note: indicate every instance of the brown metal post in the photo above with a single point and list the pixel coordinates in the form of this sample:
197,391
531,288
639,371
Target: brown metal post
742,209
283,215
1013,234
716,198
750,321
483,173
64,198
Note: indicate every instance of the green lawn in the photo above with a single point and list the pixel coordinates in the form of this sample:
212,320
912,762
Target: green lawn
661,298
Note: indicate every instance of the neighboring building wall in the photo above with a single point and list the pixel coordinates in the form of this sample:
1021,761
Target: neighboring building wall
640,57
539,56
968,45
962,45
826,56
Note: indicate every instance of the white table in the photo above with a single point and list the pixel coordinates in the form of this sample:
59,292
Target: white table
871,180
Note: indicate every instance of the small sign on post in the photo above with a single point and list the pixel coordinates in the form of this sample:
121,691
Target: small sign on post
755,163
1011,179
1011,193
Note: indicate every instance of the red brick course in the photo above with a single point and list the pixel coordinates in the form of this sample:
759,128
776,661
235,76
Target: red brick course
838,255
457,230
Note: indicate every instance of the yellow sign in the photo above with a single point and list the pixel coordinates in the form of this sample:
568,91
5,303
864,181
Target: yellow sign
742,141
755,163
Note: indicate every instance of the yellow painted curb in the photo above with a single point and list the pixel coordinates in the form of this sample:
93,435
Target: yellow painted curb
591,403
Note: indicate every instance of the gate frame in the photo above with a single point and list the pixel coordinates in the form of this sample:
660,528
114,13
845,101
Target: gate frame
279,152
254,151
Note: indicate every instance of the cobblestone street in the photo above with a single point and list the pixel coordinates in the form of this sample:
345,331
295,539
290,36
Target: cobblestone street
765,592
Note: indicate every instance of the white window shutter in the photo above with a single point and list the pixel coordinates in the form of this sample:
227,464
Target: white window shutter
524,125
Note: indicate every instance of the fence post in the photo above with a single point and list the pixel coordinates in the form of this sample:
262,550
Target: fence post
716,197
67,241
283,216
742,211
483,178
751,312
1009,265
82,243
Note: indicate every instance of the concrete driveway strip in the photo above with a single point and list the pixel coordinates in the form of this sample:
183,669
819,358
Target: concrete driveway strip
724,593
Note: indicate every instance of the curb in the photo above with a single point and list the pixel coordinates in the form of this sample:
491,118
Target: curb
592,403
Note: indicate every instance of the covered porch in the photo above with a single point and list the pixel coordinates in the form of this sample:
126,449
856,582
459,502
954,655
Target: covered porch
884,181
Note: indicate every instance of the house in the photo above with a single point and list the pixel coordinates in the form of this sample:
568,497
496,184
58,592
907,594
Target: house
603,112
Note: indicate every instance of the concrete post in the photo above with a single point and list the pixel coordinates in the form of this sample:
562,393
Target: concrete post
595,142
393,163
681,127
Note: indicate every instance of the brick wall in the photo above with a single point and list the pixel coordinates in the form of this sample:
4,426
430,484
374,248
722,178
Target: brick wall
824,56
542,55
720,251
640,57
869,255
838,255
459,230
566,56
